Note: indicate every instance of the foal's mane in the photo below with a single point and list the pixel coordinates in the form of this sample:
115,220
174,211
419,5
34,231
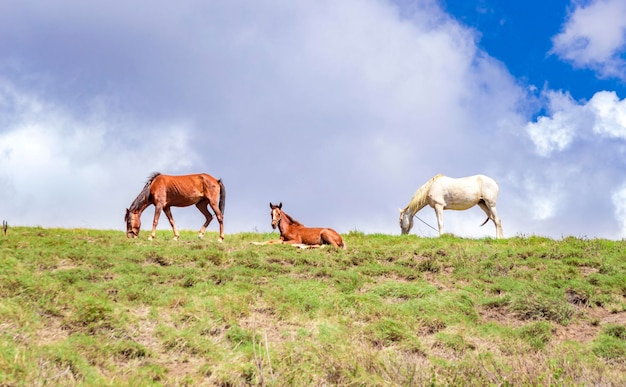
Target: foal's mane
291,220
418,201
140,200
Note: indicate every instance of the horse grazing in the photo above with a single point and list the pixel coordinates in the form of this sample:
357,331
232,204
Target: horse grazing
166,191
446,193
293,232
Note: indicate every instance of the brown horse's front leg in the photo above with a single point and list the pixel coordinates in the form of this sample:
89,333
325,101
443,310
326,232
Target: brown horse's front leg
157,214
168,213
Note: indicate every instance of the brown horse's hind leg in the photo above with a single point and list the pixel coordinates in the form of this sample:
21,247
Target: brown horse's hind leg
203,207
168,213
218,214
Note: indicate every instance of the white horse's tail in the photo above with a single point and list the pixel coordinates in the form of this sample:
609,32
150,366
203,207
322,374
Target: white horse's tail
485,222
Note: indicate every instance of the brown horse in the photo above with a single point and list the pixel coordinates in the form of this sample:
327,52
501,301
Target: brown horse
293,232
165,191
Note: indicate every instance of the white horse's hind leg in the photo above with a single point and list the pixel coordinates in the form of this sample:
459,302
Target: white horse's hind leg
498,223
493,215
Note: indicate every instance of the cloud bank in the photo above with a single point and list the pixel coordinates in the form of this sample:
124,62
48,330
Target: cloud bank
340,110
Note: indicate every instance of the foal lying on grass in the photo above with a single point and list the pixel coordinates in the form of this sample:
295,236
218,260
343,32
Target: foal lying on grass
294,233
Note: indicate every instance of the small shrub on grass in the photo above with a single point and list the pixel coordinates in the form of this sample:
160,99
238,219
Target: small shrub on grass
347,281
386,331
75,359
430,325
542,304
537,334
305,296
158,259
615,330
239,336
404,291
429,264
91,314
185,341
128,350
610,348
454,342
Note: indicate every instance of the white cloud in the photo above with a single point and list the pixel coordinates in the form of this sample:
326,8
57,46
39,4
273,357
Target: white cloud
582,145
544,198
58,169
594,36
609,113
604,115
556,132
619,201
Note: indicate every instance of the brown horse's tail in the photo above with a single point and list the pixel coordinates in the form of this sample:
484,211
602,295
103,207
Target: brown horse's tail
222,196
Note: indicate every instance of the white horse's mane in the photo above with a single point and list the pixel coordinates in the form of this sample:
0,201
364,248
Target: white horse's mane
418,201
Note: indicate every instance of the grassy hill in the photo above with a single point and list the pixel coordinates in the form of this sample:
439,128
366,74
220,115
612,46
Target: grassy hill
89,307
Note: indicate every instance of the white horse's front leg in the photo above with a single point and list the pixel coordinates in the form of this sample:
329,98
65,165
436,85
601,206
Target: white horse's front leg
439,213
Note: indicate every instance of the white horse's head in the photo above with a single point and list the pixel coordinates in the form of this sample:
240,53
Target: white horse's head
406,221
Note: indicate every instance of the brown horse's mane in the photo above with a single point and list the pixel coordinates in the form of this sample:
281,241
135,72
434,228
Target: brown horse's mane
139,203
291,220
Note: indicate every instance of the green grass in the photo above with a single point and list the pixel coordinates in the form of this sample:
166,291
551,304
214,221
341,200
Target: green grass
91,307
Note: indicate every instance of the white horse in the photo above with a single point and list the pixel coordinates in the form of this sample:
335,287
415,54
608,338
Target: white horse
446,193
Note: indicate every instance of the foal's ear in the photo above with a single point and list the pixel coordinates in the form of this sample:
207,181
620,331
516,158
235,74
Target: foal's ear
400,209
280,205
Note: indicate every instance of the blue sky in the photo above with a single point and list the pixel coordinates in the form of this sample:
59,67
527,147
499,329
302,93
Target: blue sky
520,35
339,109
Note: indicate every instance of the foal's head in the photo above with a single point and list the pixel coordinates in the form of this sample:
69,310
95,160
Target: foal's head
276,214
406,221
133,223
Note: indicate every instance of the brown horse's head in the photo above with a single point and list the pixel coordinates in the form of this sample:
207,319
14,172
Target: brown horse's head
133,223
406,221
276,214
